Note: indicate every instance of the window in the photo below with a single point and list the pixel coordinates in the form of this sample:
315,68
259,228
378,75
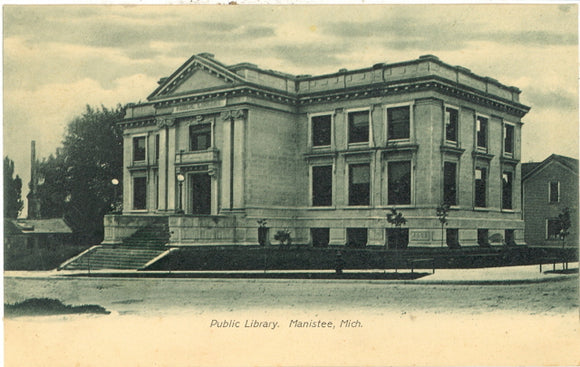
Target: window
450,183
397,238
199,137
481,131
510,238
507,184
554,193
451,124
359,184
139,193
399,182
321,130
398,121
322,186
139,149
553,229
356,237
508,139
320,236
156,178
480,187
452,237
358,127
157,147
482,237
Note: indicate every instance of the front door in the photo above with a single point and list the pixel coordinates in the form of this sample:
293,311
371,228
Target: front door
200,193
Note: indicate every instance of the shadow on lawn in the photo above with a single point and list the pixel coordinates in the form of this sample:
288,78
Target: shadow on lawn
49,306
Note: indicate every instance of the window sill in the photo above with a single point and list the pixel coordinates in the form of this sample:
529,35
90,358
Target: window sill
480,209
364,144
508,211
368,206
320,147
322,208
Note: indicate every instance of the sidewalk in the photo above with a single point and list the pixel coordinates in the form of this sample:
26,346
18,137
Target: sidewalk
508,274
499,275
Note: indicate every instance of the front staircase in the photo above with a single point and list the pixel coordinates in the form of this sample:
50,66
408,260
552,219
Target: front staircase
134,253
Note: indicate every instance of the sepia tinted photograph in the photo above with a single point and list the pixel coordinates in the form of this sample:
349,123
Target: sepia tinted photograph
293,185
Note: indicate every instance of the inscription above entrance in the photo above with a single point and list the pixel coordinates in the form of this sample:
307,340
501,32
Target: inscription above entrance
200,105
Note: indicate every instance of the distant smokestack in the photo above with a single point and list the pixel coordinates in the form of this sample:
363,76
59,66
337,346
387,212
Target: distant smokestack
33,203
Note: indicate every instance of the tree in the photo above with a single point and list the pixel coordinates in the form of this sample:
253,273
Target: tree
13,203
397,219
565,223
442,212
76,182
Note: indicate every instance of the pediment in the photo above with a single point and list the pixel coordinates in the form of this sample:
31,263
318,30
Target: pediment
198,74
199,80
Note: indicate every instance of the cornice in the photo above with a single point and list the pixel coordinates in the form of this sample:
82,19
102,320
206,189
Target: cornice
508,160
138,122
452,150
481,155
400,147
432,83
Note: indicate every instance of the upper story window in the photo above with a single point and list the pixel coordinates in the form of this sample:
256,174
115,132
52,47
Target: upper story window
359,184
480,187
554,191
398,123
139,148
507,187
481,132
508,138
321,130
358,127
199,137
451,124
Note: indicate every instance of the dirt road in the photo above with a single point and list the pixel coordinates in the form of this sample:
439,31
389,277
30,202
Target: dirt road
185,322
163,296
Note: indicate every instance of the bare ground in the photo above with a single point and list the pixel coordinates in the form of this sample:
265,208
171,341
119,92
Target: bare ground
165,296
168,322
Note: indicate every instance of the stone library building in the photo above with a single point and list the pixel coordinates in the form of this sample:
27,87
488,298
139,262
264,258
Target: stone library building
217,148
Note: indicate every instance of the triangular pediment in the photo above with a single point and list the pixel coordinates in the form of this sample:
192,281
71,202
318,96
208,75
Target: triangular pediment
198,74
199,80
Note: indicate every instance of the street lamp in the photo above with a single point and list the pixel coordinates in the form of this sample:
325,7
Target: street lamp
180,179
115,183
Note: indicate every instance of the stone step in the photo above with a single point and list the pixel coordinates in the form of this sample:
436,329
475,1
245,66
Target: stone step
109,257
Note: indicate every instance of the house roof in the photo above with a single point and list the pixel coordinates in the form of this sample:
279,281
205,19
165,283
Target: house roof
38,226
530,169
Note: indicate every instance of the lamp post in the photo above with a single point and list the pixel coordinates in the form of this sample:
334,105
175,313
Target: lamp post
180,179
115,183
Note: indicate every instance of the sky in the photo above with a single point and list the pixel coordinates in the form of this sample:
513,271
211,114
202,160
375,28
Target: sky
58,59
